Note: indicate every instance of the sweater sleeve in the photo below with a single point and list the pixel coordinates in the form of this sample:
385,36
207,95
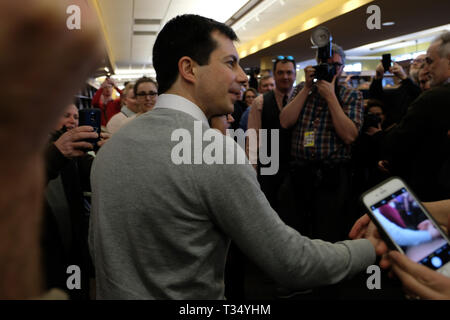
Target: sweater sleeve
411,88
242,212
376,89
403,236
54,161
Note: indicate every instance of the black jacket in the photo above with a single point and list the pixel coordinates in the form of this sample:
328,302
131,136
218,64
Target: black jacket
419,147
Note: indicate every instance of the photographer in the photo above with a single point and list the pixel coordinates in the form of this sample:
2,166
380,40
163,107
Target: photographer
366,151
326,118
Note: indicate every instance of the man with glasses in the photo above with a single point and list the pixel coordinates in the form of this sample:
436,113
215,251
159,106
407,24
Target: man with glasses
397,100
146,92
264,114
326,118
418,148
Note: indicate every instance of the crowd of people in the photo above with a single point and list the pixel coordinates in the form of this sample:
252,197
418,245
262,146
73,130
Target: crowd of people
140,226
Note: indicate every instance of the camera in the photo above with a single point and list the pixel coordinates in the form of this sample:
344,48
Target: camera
321,38
324,71
371,120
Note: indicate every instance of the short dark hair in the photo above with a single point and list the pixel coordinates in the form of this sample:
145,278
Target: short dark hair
186,35
374,103
252,90
142,80
284,60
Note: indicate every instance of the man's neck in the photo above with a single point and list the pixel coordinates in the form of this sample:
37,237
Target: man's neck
283,92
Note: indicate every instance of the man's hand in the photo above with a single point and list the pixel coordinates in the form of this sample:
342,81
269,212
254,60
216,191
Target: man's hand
309,77
70,144
427,225
379,71
111,82
326,89
418,280
383,165
398,71
365,229
372,130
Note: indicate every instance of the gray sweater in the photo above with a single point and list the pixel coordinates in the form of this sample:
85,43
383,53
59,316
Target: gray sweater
162,231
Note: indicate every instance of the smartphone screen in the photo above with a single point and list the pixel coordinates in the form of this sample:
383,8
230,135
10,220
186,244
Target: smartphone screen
411,228
91,117
386,60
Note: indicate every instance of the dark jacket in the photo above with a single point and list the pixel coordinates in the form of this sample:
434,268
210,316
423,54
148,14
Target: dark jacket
419,147
397,100
66,214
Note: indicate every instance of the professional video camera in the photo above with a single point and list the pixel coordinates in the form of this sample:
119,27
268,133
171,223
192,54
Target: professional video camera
321,38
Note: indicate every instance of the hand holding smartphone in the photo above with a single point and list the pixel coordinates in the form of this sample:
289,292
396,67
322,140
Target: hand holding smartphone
91,117
407,226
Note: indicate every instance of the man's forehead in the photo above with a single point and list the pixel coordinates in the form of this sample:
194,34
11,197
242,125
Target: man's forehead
285,65
268,80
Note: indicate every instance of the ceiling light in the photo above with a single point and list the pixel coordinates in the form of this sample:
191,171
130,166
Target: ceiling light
249,6
261,7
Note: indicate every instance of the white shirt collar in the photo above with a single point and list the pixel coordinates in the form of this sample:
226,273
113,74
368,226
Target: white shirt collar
176,102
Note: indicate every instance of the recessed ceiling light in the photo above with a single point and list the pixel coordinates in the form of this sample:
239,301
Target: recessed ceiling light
390,23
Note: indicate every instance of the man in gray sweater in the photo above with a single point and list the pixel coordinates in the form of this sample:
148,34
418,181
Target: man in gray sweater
163,216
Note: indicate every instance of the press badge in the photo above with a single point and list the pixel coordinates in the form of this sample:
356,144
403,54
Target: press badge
309,139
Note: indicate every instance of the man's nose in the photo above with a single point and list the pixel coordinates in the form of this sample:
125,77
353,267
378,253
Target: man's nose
241,77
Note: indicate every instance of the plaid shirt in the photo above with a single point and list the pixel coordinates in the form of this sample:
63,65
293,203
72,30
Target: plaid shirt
316,117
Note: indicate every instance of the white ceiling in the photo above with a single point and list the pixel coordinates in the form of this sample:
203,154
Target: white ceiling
132,54
130,51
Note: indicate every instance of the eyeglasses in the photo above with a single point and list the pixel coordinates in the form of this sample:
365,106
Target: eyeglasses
417,61
337,64
285,58
144,94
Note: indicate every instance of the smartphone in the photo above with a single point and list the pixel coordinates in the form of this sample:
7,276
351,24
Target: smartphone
91,117
407,226
387,62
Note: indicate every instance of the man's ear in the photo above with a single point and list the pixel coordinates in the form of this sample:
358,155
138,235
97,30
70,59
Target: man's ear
187,69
